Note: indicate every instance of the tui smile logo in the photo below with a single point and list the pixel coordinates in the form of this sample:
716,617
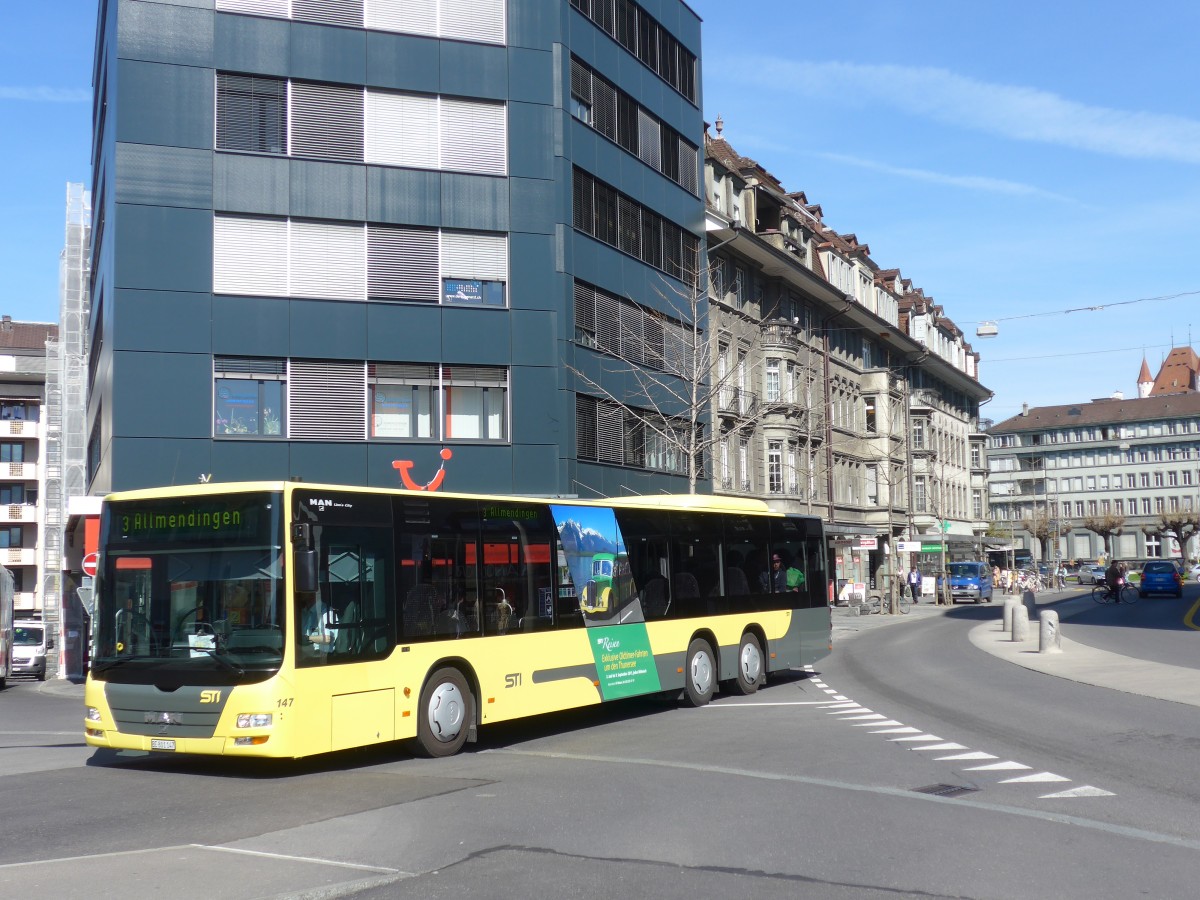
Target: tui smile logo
404,467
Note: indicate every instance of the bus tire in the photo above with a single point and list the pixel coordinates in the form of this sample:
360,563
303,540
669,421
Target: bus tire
699,673
750,666
445,714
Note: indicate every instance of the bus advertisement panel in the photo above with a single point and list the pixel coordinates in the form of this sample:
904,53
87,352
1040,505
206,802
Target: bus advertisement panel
286,619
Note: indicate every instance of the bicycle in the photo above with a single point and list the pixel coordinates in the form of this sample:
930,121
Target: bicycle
1123,593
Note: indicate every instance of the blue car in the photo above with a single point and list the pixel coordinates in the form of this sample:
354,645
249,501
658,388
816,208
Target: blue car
1160,578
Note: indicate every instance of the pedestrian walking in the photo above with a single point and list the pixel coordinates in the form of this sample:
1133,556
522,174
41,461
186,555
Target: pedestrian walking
914,583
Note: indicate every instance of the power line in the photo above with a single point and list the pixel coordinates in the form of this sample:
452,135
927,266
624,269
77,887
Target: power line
1057,355
1096,308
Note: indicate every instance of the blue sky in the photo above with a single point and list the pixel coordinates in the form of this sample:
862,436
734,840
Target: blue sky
1014,161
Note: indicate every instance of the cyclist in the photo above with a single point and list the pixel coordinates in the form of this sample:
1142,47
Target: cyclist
1113,579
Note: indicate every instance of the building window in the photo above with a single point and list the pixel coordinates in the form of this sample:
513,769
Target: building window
272,257
249,397
1173,479
12,494
10,536
919,493
1079,509
625,330
869,414
1119,507
771,386
1145,479
977,504
608,432
1158,479
918,434
12,452
1145,506
639,33
1187,477
251,113
1091,507
609,216
19,410
446,403
1153,546
606,108
1116,482
976,456
775,467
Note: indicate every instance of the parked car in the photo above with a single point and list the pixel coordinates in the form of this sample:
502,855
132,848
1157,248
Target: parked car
1091,574
1196,572
1160,577
971,581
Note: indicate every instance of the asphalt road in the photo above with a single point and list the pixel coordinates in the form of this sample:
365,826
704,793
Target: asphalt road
795,792
1157,627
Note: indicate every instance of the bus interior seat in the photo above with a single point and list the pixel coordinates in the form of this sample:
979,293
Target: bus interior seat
685,590
736,584
419,609
656,599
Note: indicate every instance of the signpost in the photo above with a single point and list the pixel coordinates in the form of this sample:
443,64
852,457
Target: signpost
89,563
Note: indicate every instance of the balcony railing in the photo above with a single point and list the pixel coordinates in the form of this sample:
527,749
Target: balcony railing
26,471
778,334
736,401
18,512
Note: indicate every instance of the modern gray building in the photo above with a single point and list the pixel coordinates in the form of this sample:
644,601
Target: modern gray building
371,241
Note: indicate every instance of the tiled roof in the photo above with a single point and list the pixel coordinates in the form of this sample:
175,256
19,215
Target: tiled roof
1180,372
25,335
1102,412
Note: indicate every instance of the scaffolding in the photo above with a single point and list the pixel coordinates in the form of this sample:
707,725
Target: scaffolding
66,403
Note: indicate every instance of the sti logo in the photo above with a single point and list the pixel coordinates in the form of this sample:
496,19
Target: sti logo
404,467
210,696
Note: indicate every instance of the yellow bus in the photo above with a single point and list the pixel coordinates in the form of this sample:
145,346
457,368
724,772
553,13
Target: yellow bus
286,619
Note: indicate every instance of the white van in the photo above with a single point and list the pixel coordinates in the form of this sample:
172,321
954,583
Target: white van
30,643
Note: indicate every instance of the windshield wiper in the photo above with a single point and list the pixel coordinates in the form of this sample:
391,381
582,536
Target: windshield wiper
219,655
99,667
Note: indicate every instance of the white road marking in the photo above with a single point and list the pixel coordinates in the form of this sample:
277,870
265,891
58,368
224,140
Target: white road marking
903,729
876,724
1086,791
1007,766
917,737
873,715
949,745
974,754
1034,779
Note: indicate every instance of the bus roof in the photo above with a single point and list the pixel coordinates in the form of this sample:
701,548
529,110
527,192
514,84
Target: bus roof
683,502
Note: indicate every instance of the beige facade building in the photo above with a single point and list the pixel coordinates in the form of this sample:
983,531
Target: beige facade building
840,389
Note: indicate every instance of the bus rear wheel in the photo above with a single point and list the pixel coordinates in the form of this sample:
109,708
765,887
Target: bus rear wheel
750,668
699,673
445,713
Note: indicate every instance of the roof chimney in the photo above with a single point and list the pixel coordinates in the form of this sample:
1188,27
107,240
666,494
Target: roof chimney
1025,409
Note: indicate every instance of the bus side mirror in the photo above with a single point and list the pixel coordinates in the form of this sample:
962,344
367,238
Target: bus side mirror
304,565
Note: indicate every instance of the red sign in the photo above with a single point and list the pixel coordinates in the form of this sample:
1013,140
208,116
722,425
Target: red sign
89,564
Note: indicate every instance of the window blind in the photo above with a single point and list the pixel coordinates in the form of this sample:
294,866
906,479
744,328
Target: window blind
250,256
327,400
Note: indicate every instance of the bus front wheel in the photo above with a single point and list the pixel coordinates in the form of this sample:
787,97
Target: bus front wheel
750,668
445,713
699,673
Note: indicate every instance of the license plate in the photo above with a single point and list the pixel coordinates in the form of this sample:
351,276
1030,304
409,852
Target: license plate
162,745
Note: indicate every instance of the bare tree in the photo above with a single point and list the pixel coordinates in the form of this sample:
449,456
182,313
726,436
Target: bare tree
1180,525
665,372
1107,526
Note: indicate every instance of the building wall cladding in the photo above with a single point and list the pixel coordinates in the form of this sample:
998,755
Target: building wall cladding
161,182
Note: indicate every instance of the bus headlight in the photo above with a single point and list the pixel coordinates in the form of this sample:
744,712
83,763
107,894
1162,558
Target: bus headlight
254,720
92,714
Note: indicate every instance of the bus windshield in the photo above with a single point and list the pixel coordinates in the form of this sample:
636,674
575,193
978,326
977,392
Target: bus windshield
190,590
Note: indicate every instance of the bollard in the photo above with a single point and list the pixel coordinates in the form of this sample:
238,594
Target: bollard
1010,603
1049,634
1030,603
1020,624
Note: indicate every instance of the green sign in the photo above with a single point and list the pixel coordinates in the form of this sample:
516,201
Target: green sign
930,548
623,660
